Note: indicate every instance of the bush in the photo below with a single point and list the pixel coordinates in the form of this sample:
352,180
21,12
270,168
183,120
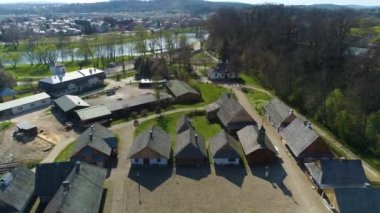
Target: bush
134,114
144,112
196,113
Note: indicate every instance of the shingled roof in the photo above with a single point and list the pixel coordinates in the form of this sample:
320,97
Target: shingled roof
277,111
190,145
221,140
178,88
154,138
16,189
332,173
252,139
350,200
84,191
49,177
93,112
231,111
183,124
299,136
69,102
94,137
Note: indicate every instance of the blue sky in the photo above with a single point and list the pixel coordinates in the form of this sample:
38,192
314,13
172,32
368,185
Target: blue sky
287,2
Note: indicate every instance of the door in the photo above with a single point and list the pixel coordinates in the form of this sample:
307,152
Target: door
146,161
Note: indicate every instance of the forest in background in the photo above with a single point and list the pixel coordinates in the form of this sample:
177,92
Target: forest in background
309,57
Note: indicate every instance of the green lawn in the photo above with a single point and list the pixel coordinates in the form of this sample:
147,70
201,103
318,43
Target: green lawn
65,154
5,125
249,79
204,128
258,99
26,70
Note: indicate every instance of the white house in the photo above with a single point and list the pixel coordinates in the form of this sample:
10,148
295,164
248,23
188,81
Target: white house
224,149
28,103
222,72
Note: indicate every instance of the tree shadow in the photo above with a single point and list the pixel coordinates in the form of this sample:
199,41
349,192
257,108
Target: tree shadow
273,173
195,173
150,177
234,173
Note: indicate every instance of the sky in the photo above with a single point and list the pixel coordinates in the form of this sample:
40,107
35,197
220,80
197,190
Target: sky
286,2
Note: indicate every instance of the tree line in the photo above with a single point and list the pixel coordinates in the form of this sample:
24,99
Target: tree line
309,58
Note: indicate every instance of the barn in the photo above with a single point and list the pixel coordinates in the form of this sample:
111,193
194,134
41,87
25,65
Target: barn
256,145
90,115
182,92
67,104
151,147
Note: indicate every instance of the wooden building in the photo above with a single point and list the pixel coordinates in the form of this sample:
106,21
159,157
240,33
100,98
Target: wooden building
256,145
303,142
182,92
151,147
190,149
225,149
68,104
26,104
278,114
93,114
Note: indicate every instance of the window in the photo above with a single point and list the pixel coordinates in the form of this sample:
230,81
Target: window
136,160
19,108
231,159
33,104
158,160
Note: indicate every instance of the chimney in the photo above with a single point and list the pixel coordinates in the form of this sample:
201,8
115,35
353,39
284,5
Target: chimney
77,167
196,138
309,125
91,136
261,135
151,134
90,71
291,112
66,186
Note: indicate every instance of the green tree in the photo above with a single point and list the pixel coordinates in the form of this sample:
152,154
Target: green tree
373,129
141,35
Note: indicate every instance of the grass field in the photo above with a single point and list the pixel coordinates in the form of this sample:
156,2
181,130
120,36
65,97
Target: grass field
204,128
258,99
5,125
65,154
249,79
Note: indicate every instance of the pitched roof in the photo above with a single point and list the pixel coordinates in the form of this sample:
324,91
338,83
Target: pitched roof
277,111
84,193
230,109
19,190
94,137
251,140
159,142
93,112
183,124
49,177
70,76
146,99
22,101
221,140
332,173
179,88
69,102
7,92
190,145
350,200
24,125
298,136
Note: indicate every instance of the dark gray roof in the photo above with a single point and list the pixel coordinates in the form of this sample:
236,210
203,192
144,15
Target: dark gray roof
159,142
49,177
146,99
24,125
230,110
298,136
277,111
223,145
83,195
355,200
189,144
17,194
69,102
212,107
251,140
338,173
183,124
99,134
93,112
71,76
178,88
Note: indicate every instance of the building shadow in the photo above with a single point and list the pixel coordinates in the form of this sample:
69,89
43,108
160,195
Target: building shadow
273,173
195,173
150,177
234,173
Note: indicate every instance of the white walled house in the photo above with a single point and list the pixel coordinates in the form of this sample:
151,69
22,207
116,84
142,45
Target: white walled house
29,103
224,149
152,147
222,72
72,82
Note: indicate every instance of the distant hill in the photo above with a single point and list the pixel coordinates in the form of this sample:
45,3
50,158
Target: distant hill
194,7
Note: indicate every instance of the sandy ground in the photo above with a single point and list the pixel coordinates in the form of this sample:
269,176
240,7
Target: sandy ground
51,131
